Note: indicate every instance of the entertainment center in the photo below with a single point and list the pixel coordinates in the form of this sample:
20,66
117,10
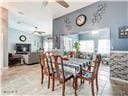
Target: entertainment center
23,48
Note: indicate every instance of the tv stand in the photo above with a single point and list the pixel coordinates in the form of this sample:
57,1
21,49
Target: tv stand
22,53
15,59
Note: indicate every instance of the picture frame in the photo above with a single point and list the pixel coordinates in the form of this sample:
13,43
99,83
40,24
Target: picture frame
123,32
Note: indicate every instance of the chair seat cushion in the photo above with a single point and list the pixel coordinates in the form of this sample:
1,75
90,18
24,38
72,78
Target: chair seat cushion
54,71
66,74
87,74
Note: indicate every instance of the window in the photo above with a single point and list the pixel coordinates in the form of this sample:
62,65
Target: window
87,46
45,44
48,45
67,44
104,46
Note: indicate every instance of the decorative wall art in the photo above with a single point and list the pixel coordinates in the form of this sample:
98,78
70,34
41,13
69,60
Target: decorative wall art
67,24
123,32
98,15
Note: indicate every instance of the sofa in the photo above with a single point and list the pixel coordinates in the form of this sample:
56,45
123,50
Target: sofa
31,58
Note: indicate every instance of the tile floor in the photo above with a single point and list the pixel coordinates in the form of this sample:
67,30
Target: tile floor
24,80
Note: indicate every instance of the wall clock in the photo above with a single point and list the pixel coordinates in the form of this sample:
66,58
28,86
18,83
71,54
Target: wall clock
22,38
81,20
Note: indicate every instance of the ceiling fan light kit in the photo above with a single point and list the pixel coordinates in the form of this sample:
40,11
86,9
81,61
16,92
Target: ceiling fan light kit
36,32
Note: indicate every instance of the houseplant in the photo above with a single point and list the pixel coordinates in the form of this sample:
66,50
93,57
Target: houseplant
76,45
65,54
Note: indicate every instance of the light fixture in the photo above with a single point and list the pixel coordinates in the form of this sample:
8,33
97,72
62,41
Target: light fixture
36,33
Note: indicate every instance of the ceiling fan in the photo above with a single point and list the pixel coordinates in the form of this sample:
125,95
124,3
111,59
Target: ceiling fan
37,32
61,2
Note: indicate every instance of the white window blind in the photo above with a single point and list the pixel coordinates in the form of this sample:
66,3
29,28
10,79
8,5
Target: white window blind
87,46
67,44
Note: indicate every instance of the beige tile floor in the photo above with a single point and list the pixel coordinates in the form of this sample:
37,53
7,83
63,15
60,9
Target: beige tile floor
25,81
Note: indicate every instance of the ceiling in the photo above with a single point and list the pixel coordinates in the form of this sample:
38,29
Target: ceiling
29,13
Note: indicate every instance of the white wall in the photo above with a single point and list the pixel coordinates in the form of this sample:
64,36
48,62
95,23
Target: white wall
1,41
28,23
13,38
3,37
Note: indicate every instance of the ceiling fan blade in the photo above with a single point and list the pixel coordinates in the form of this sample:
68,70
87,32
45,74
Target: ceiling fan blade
63,3
39,32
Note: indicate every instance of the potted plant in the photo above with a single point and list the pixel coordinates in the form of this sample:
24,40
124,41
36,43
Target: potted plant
76,45
65,54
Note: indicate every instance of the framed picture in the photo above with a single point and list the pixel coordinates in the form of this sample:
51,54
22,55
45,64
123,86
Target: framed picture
123,32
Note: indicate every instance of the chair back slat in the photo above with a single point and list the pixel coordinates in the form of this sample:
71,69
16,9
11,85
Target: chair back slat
59,67
52,63
41,59
44,63
95,68
96,64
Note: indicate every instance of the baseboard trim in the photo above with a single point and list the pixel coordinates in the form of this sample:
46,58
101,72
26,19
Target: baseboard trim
117,79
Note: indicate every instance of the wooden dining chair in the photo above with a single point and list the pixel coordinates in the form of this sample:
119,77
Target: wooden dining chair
81,55
53,69
45,68
71,54
62,75
42,66
89,75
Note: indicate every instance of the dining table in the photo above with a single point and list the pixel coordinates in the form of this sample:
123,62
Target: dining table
73,65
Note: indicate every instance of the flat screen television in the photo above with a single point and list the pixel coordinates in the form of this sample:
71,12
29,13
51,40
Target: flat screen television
23,48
